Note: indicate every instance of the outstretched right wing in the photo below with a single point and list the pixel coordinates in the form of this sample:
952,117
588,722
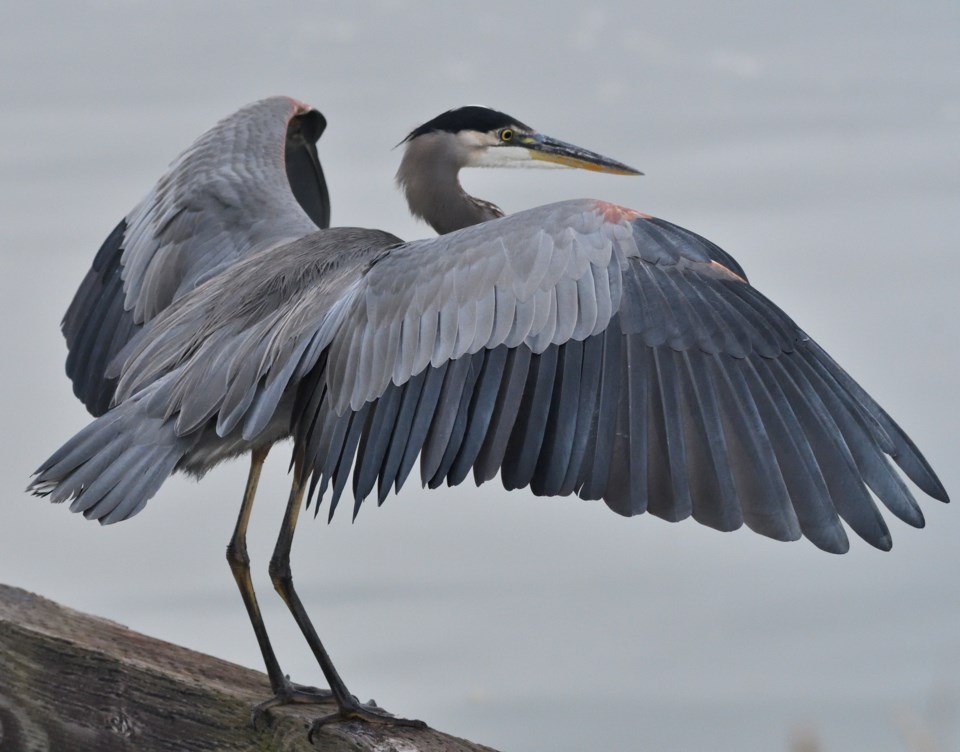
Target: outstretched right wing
584,348
251,182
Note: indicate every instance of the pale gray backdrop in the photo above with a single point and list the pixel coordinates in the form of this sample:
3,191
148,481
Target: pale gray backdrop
816,141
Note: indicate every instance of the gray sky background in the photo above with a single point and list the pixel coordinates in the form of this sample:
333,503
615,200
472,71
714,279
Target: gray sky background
817,142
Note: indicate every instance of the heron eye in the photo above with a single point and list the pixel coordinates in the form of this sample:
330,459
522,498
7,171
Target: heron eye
506,134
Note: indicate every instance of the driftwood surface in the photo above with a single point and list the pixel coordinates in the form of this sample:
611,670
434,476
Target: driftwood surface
71,681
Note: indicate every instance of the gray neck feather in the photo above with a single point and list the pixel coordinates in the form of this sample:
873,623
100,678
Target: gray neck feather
428,175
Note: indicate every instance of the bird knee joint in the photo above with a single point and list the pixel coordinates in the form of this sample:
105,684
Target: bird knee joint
280,572
237,555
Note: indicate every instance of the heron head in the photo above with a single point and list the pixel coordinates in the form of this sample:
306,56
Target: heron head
475,136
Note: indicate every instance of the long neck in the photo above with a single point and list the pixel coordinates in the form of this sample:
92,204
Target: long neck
429,179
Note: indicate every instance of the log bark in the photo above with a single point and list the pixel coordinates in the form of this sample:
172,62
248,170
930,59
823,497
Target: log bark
71,681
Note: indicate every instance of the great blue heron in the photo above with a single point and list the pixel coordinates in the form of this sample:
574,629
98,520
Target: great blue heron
576,348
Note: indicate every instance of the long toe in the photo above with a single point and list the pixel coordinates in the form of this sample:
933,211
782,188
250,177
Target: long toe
367,713
290,694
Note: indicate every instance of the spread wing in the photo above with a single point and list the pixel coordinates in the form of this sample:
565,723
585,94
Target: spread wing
582,348
252,182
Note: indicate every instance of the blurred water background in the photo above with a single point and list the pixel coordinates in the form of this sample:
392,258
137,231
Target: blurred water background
817,142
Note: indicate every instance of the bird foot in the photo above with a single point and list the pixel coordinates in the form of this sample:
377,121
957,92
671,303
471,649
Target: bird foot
369,713
289,694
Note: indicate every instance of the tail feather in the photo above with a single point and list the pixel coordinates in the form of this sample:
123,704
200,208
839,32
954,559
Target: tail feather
111,468
77,450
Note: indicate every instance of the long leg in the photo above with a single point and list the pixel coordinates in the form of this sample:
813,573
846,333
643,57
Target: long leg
239,560
348,708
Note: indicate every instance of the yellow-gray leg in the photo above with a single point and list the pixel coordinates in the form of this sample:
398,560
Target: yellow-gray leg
284,690
348,707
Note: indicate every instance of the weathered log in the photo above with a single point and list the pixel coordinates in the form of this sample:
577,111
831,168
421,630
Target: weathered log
71,681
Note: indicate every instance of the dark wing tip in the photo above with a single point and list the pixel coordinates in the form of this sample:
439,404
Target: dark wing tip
932,485
311,124
303,168
96,325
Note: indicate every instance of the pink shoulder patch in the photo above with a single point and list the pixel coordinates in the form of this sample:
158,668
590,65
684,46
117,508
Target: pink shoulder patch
299,107
616,213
